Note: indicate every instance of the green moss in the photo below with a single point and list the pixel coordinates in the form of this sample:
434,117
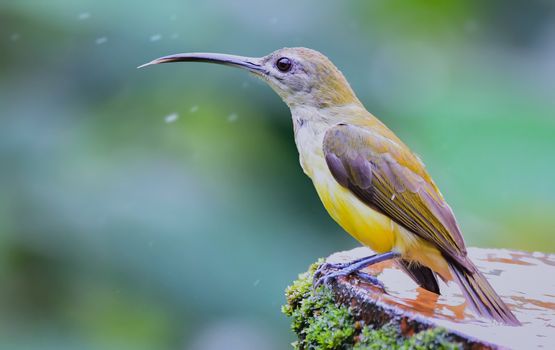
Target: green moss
389,337
300,289
385,338
431,339
321,324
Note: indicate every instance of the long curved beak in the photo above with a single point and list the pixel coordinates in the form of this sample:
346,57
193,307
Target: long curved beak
250,63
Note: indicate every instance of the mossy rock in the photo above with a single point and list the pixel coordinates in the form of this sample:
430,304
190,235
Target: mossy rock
322,323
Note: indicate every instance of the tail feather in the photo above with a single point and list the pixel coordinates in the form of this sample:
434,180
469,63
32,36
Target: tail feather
420,274
480,294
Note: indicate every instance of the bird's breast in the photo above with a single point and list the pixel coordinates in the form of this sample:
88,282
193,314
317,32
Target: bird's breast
366,225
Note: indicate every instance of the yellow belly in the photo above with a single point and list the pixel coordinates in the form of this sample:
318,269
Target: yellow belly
375,230
366,225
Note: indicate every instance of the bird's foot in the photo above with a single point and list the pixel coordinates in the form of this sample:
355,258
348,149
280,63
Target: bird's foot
366,277
326,279
325,267
322,276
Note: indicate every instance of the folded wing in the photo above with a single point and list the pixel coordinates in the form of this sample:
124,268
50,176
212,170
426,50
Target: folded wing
387,177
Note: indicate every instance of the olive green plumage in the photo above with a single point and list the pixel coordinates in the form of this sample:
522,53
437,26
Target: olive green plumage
367,178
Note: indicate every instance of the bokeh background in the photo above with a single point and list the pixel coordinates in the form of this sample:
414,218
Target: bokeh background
165,208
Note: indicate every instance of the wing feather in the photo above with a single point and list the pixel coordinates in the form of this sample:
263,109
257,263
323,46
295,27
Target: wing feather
390,179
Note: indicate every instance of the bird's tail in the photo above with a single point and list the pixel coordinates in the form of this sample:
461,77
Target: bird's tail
480,294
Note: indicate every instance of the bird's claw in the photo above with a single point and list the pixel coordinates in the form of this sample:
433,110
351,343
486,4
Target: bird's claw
334,266
321,281
323,278
327,266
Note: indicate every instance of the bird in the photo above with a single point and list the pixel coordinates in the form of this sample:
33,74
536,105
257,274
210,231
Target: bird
368,180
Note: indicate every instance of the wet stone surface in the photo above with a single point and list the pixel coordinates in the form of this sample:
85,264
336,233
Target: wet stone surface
525,281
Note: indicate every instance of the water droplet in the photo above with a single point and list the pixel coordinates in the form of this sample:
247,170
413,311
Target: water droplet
393,196
232,117
173,17
15,37
83,16
256,283
170,118
245,84
155,37
175,35
193,109
101,40
273,20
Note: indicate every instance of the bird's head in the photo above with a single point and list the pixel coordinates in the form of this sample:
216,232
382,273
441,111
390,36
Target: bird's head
301,76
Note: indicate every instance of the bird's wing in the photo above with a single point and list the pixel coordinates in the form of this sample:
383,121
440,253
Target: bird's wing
386,176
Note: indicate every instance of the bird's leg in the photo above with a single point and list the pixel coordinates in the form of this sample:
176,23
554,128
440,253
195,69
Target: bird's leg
354,267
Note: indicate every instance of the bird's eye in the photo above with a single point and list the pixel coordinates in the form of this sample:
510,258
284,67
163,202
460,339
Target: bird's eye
284,64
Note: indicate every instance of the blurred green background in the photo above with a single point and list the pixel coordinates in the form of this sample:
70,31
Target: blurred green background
165,208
